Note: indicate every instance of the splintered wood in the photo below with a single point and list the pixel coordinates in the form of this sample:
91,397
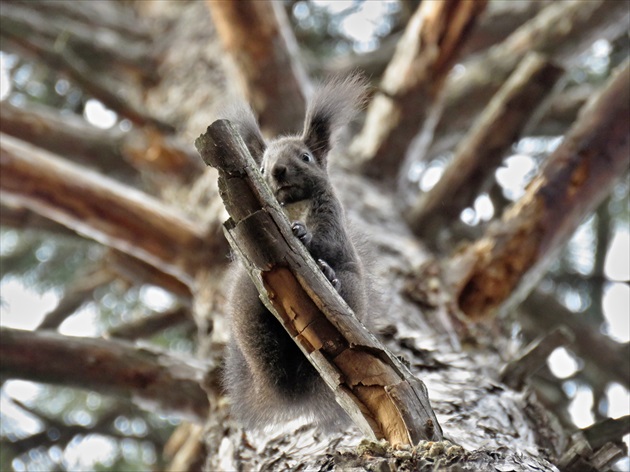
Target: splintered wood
377,391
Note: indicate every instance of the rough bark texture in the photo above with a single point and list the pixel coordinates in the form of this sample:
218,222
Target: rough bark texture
411,83
374,387
574,180
148,377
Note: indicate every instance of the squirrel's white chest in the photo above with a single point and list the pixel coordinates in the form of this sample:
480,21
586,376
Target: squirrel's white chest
297,211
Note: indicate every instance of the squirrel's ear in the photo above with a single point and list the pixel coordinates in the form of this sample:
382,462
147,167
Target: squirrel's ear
242,118
333,105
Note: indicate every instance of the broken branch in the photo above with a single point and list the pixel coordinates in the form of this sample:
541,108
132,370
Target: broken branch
377,391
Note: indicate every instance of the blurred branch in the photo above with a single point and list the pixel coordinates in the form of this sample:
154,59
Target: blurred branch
612,359
113,214
75,296
611,429
258,38
502,266
412,82
109,151
146,377
25,31
582,23
516,372
147,326
481,152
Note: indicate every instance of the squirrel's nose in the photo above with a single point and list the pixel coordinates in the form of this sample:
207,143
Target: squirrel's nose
279,171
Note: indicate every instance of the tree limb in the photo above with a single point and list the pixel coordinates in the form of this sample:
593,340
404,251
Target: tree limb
411,83
502,266
105,210
149,325
109,151
582,23
481,152
372,385
149,378
258,38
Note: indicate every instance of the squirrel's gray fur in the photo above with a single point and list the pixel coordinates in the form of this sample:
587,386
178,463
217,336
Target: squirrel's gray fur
267,377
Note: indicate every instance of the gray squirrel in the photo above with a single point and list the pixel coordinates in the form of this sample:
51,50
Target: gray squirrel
267,377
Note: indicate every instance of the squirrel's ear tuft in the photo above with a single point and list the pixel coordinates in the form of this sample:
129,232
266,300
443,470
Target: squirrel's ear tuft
242,118
333,105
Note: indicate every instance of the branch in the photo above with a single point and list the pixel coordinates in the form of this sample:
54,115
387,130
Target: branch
609,357
411,83
481,152
57,52
516,372
149,378
258,38
149,325
582,23
78,294
109,151
372,385
504,264
102,209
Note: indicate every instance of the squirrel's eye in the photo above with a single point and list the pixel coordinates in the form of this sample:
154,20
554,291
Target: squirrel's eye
306,157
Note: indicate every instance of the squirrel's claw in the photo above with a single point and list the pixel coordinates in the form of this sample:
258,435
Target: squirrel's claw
301,232
329,273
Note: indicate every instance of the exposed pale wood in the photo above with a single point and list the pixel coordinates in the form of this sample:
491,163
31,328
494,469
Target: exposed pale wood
258,38
376,389
502,266
411,83
105,210
113,367
561,31
481,152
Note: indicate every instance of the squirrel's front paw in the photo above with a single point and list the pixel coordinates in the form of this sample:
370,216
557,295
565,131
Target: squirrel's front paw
329,273
301,232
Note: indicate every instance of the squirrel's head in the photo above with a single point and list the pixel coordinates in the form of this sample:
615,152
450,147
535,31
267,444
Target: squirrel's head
295,166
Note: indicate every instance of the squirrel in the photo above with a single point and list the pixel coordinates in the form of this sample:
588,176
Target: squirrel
267,377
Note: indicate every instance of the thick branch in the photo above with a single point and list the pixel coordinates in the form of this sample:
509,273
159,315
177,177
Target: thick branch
481,152
412,81
581,24
259,40
58,53
109,151
112,367
515,252
102,209
373,386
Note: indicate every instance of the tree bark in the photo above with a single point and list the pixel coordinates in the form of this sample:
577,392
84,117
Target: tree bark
481,152
377,391
259,40
411,83
112,214
504,264
114,367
